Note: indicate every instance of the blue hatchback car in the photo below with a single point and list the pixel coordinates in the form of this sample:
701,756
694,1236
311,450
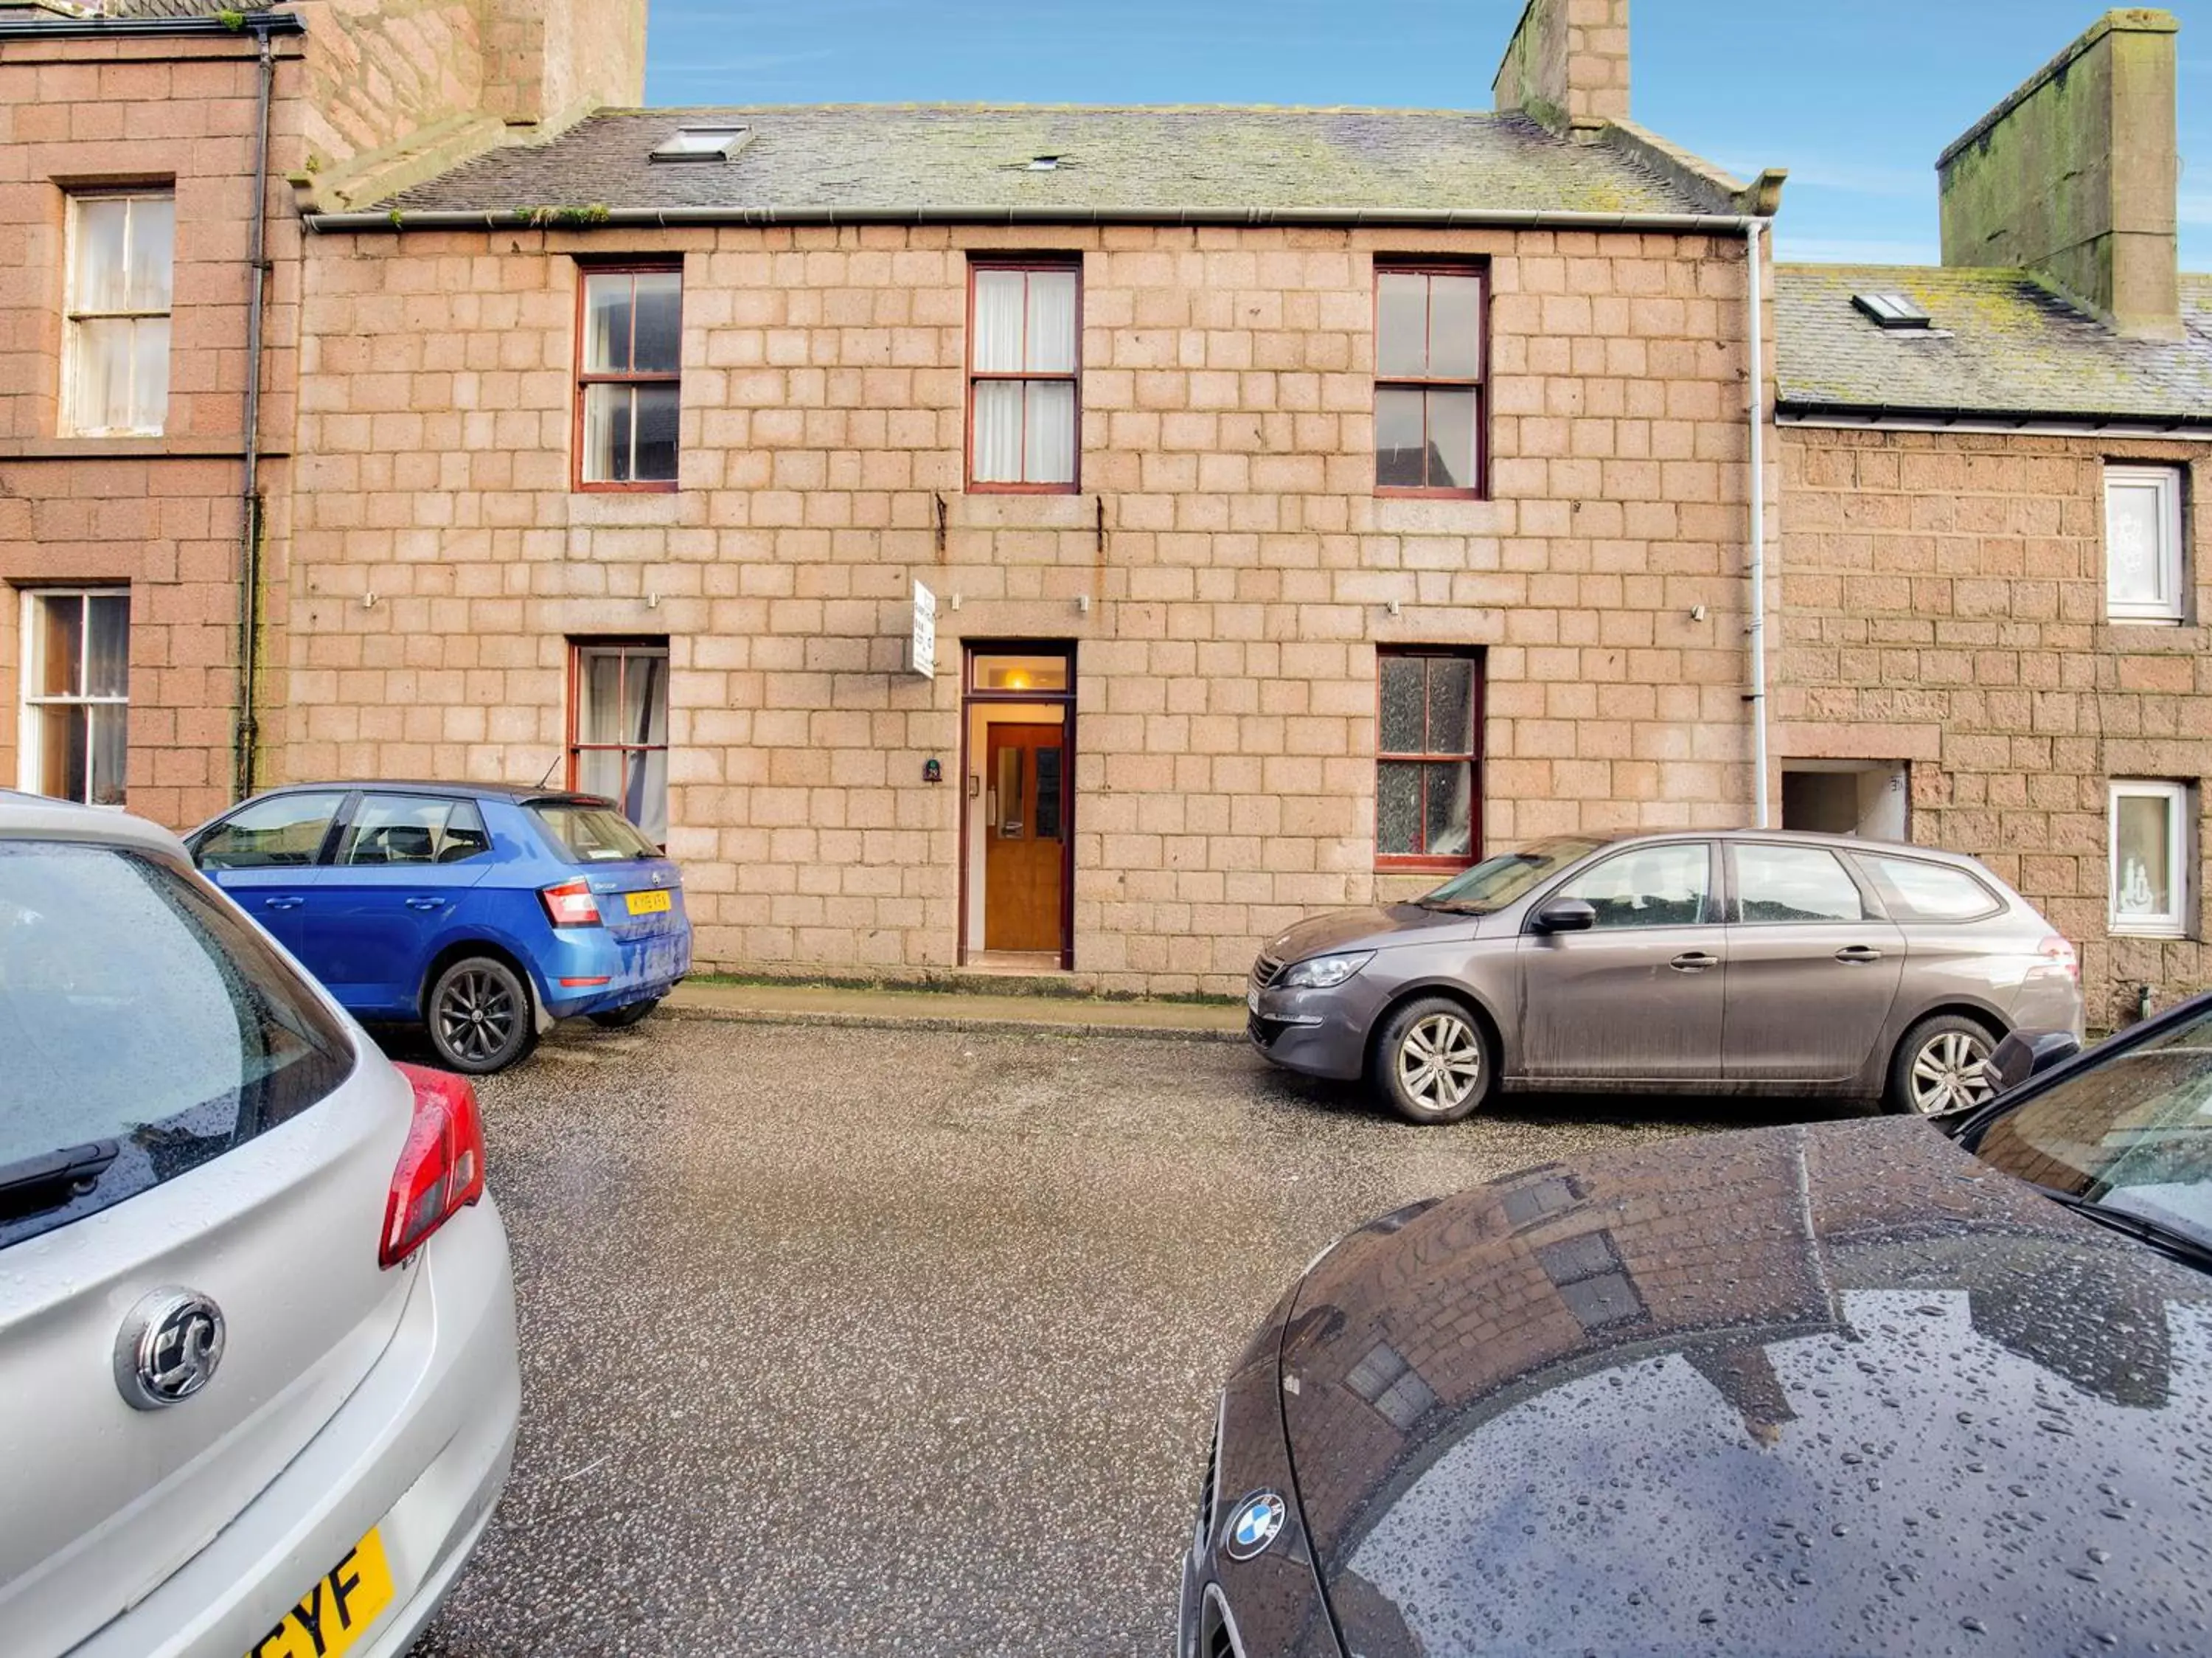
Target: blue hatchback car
481,913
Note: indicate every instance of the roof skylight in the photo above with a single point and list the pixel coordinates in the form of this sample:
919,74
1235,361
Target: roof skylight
1892,310
702,143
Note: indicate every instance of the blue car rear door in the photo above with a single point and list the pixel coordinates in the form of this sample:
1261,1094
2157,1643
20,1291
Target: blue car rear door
265,854
404,862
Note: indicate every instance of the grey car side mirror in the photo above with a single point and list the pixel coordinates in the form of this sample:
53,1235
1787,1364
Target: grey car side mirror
1566,915
2024,1054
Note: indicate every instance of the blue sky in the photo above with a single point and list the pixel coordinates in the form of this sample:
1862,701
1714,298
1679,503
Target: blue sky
1857,98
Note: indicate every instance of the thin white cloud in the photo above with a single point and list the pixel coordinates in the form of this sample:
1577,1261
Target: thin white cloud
1844,250
1852,178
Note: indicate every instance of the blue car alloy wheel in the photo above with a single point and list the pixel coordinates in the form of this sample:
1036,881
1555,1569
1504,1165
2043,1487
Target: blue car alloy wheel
1255,1524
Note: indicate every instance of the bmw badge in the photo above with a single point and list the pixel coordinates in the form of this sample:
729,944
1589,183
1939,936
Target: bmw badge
1254,1525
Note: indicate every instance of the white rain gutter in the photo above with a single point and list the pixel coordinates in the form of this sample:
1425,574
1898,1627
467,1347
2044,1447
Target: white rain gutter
1757,630
587,218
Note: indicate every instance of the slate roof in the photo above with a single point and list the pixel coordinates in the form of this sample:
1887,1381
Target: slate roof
890,158
2003,344
84,10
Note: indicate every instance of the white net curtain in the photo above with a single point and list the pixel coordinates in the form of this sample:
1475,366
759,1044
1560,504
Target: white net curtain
1024,364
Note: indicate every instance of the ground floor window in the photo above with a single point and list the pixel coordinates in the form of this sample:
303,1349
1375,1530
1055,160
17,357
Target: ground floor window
1428,795
618,726
2152,858
76,693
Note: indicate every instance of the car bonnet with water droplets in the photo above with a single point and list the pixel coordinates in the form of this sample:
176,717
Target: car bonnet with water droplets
1832,1388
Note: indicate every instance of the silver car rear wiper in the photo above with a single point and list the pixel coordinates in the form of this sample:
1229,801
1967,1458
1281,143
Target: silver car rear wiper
51,1178
2185,1247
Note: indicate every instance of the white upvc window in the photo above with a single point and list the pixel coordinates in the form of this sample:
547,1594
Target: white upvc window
2153,863
115,369
76,693
2143,561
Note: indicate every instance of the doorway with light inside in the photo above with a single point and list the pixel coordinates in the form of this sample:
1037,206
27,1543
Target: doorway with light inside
1018,774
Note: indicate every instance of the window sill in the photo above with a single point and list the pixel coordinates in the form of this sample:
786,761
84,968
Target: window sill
654,486
1418,513
997,508
974,488
2124,619
2171,931
1421,866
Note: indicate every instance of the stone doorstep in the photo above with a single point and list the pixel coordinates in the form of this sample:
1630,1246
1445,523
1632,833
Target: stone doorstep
778,1004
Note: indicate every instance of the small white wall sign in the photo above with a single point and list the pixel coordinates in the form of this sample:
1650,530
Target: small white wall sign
921,650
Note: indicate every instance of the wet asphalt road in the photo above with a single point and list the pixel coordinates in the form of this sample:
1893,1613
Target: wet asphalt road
847,1341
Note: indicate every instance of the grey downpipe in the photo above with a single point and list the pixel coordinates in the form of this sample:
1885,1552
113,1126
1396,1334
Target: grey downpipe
248,733
1757,695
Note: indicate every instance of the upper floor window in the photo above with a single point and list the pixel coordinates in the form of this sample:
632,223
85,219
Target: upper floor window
76,693
2143,563
115,354
1428,380
1024,412
629,362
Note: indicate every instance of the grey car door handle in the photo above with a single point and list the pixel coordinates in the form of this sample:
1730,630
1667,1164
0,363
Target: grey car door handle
280,903
1694,961
1861,953
426,903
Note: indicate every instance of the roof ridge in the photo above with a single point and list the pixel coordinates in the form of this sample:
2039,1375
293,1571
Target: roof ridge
641,111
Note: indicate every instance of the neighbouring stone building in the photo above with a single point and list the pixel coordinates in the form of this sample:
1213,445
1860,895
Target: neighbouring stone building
132,138
1309,500
1994,541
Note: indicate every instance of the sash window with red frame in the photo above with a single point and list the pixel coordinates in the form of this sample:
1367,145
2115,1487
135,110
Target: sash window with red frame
618,728
1429,434
1428,780
628,378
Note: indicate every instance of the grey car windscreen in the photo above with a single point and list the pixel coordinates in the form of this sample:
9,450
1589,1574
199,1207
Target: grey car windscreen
146,1028
1497,882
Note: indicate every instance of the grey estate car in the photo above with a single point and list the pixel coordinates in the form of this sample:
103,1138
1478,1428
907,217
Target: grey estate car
1744,961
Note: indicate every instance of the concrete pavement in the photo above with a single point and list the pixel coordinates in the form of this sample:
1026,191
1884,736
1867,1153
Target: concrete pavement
961,1010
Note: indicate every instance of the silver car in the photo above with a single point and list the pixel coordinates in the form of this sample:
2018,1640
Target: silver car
1728,962
258,1384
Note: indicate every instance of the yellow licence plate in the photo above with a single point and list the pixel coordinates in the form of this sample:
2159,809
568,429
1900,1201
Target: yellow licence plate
338,1610
648,903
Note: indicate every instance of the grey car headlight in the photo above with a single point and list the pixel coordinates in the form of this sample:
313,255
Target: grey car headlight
1323,973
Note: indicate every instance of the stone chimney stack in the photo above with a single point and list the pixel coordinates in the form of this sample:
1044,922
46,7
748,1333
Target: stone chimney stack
546,62
1567,65
2074,176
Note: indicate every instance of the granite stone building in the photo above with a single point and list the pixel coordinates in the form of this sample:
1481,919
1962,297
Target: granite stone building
1306,499
1994,541
1075,539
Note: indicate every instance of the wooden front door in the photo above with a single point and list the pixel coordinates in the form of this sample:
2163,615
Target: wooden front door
1025,816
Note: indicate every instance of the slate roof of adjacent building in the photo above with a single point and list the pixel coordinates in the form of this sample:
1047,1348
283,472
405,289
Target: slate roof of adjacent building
2001,345
947,157
85,10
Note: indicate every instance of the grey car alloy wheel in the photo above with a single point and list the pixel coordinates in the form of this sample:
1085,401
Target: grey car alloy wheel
1439,1062
1949,1069
480,1016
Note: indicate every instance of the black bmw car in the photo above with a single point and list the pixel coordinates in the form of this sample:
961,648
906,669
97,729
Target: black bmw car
1852,1386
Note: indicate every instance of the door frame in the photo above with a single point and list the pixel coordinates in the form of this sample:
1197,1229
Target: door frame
971,698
